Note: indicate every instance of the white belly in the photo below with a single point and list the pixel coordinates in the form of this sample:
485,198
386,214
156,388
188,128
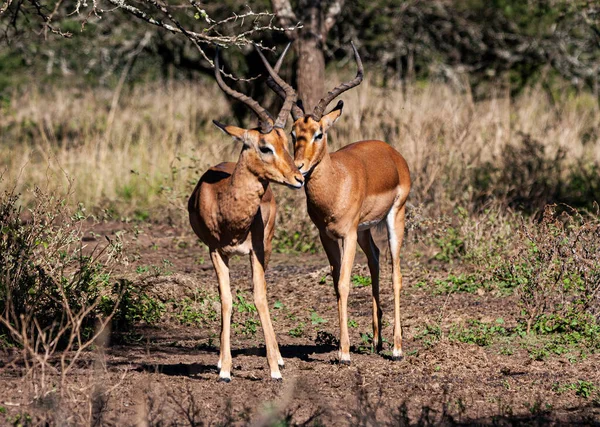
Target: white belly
241,249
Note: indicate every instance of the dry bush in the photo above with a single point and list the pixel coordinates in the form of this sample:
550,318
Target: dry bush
556,271
56,296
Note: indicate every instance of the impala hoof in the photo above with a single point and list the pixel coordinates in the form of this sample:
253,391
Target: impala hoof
397,355
277,380
224,380
345,362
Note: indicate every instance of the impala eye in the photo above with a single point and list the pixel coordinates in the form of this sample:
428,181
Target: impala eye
266,150
319,136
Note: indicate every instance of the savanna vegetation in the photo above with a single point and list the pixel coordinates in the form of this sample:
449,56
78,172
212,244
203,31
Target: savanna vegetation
110,309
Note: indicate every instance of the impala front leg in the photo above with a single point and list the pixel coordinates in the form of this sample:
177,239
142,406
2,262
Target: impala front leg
221,264
342,292
262,306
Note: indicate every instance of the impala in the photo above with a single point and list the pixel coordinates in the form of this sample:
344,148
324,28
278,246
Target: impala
349,192
232,210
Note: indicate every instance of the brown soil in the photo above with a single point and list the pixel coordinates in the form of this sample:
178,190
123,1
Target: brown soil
167,373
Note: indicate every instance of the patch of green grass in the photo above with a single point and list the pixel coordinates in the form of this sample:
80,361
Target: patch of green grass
366,343
581,388
352,323
430,334
156,270
572,335
249,327
468,283
477,332
420,284
243,306
359,281
20,420
298,331
316,319
198,310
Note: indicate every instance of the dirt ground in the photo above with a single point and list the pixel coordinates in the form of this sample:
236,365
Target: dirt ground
166,373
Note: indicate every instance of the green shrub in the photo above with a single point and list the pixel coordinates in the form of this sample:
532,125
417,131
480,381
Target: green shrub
137,307
556,270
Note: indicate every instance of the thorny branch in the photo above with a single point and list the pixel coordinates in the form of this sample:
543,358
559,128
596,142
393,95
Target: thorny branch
214,32
48,19
5,6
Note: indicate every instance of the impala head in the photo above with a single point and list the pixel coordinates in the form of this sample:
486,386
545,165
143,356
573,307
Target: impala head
309,132
265,148
309,136
266,154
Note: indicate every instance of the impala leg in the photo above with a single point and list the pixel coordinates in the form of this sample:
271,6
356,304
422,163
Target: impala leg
334,255
342,291
395,224
221,264
268,248
367,244
262,306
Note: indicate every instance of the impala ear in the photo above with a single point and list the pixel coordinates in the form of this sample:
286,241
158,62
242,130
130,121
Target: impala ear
330,118
238,134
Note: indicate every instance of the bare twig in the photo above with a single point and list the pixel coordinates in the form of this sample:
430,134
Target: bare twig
5,6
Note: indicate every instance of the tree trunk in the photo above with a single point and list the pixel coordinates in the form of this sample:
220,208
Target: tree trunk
317,18
310,71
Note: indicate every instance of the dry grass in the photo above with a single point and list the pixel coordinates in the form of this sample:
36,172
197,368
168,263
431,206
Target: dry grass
145,162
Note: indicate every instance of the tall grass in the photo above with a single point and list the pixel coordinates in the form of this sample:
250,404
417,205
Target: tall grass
142,157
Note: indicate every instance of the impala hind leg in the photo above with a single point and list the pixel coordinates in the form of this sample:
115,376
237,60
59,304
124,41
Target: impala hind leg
367,244
268,249
395,225
221,265
262,306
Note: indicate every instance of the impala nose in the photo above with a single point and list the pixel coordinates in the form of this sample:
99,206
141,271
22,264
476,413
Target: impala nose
300,180
300,166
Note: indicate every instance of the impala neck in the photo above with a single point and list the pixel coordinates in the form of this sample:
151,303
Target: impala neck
322,171
245,185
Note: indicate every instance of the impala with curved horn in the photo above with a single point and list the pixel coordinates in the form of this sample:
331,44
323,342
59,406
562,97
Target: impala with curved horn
232,210
348,192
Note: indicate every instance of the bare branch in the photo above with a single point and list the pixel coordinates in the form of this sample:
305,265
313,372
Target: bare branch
5,6
48,19
285,14
211,34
